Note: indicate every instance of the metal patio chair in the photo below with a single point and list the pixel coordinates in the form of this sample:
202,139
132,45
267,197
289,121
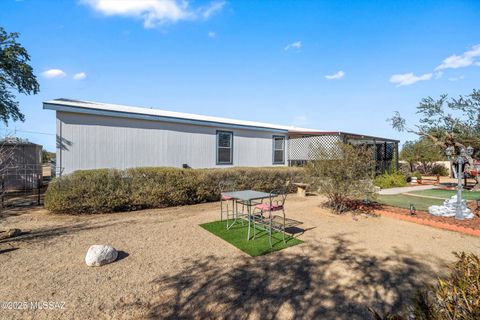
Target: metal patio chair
227,203
270,215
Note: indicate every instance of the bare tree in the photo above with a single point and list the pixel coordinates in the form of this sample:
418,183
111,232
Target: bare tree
6,158
7,152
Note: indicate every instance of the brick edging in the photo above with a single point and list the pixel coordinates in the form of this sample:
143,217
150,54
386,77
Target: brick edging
431,223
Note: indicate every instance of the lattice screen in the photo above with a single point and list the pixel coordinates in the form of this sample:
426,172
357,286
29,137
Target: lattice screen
312,147
303,149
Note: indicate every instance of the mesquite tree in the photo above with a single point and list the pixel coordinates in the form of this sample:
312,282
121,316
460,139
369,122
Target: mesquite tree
15,75
422,151
447,122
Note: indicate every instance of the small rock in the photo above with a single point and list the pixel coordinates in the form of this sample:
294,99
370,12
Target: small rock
13,232
10,233
98,255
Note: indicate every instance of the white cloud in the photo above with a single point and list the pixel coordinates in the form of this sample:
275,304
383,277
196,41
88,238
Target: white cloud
212,34
213,8
294,45
456,78
79,76
461,61
339,75
407,79
466,59
53,73
154,13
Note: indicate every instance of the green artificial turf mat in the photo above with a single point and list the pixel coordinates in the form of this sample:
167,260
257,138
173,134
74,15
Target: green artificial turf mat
237,236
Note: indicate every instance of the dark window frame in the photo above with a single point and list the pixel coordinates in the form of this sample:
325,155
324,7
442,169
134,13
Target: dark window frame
217,147
273,149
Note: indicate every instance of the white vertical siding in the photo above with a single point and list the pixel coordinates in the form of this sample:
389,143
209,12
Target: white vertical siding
90,142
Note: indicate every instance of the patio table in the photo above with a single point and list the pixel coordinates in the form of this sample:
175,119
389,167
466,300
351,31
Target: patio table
247,196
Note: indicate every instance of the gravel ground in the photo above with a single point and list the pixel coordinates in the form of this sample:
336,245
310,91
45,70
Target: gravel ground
171,268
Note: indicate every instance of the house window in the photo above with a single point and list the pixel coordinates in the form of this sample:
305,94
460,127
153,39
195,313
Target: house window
278,150
224,147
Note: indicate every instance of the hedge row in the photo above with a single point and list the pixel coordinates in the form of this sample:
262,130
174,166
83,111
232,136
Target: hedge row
110,190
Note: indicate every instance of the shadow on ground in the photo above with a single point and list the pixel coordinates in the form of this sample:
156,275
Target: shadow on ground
8,250
46,233
121,255
331,281
7,212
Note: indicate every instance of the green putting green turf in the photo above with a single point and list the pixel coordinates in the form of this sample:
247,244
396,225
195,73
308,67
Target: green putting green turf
445,194
404,201
237,236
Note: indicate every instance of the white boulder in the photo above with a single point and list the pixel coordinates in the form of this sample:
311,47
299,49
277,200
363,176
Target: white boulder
449,209
98,255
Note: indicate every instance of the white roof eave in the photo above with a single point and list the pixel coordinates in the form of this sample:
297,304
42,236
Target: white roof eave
90,107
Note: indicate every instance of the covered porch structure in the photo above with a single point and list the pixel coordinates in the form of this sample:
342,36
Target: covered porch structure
303,146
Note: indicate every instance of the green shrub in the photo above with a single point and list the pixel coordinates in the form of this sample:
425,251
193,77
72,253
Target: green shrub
110,190
439,170
417,174
404,168
390,180
88,191
456,296
343,177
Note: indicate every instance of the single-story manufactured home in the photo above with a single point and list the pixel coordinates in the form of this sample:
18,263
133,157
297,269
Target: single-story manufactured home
93,135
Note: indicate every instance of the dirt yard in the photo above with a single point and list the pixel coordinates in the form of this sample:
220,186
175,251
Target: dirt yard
171,268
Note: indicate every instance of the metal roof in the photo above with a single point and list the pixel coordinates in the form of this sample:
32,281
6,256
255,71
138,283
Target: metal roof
16,141
98,108
347,134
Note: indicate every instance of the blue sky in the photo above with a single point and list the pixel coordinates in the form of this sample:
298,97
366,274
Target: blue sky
332,65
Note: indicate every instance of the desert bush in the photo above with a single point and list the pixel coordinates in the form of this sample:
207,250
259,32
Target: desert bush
417,174
110,190
88,191
404,168
439,170
456,296
390,180
343,175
